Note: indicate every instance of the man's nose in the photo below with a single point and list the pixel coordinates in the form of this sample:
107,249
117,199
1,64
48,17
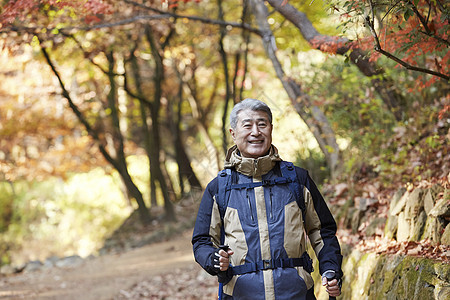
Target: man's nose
255,129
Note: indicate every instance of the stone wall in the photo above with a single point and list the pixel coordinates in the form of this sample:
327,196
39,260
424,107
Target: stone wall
420,214
371,276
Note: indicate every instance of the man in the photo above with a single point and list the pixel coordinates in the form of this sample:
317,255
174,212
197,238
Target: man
262,217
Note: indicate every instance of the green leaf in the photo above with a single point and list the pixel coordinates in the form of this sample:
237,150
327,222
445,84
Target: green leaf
408,13
329,149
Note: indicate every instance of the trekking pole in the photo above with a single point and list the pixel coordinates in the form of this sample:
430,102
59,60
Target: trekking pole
330,275
220,294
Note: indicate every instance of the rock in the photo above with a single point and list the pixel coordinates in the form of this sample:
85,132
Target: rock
431,195
7,270
33,266
356,219
364,203
21,267
347,222
392,277
445,239
375,227
50,262
428,201
390,230
397,206
441,209
444,293
417,227
415,215
432,230
414,204
70,261
403,228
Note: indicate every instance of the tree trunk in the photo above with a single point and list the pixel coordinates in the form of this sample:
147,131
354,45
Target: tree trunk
185,170
311,115
115,162
148,147
145,125
384,86
119,148
158,78
212,153
224,57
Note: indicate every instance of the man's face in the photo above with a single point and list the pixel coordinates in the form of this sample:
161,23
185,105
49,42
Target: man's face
253,133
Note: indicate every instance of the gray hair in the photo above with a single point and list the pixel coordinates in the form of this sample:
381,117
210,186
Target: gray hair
252,104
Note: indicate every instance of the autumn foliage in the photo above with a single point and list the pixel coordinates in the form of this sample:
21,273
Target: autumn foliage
21,10
93,83
413,33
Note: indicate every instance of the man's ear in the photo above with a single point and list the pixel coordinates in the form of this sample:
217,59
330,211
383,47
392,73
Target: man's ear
232,133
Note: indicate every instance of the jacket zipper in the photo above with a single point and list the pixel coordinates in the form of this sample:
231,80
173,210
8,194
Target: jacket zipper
249,205
271,207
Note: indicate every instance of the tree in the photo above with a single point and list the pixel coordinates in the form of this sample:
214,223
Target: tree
343,46
412,33
107,56
312,115
98,17
118,162
153,146
31,149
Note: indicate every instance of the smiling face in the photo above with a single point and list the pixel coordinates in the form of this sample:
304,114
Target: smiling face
253,133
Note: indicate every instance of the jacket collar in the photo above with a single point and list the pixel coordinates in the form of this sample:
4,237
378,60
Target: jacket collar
253,167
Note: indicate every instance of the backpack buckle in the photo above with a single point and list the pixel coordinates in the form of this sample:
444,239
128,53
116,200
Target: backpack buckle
267,264
268,182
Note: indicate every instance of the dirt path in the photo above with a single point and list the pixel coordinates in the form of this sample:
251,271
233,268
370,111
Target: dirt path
111,276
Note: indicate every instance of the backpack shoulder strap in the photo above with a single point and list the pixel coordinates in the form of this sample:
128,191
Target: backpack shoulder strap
287,172
296,187
224,178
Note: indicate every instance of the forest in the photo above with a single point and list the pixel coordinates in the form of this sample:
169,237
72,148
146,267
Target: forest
119,110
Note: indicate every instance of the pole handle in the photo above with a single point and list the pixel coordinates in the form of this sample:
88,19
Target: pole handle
330,275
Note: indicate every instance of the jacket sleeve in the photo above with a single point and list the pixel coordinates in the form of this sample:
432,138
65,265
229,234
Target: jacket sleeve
206,236
320,227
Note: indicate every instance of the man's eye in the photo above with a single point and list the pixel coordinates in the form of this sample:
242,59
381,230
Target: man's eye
262,124
247,125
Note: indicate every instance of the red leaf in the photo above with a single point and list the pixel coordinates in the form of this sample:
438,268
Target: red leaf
92,19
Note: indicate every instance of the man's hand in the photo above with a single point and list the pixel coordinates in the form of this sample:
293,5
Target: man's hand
221,259
333,286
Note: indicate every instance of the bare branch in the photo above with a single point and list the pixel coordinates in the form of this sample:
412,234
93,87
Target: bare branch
390,9
196,18
311,114
39,29
356,55
378,48
104,71
163,15
224,57
77,112
424,23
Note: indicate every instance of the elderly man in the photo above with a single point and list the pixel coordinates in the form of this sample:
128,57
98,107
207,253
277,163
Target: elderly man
253,217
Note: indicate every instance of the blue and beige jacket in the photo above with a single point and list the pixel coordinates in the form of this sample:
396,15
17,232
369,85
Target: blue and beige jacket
265,224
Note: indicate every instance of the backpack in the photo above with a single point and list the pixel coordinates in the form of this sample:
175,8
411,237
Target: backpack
226,183
288,176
